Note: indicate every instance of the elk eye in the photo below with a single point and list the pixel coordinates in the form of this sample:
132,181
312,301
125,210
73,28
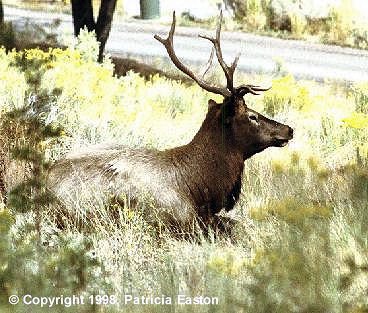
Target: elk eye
253,118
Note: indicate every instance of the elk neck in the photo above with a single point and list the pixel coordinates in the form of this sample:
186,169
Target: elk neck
210,167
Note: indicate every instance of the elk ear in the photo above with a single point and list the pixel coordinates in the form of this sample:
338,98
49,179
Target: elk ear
212,104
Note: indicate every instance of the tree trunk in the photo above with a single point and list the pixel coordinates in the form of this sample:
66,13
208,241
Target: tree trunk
82,12
103,25
1,12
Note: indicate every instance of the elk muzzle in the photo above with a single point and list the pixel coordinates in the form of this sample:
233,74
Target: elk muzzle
283,136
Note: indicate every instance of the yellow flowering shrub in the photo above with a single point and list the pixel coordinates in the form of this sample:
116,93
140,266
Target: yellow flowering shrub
13,84
6,220
286,93
291,210
357,120
299,197
93,103
226,263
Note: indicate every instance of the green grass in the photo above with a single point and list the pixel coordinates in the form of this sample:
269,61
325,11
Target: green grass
301,244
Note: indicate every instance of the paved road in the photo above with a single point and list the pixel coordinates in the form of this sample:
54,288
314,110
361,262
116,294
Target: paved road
259,54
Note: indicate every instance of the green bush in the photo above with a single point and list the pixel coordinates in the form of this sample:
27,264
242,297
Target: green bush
31,262
342,25
253,14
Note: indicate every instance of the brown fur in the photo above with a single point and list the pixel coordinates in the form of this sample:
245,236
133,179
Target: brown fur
187,183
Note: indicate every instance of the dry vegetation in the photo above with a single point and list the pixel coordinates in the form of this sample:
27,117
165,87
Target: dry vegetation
300,246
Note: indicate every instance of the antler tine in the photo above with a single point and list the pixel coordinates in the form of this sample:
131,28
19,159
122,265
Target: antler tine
244,89
168,44
228,70
209,63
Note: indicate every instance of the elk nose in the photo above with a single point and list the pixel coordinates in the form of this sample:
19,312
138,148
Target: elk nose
291,132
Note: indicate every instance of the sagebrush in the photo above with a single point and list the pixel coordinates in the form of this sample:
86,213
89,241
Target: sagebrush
301,242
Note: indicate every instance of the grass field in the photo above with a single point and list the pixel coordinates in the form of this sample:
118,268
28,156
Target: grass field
301,244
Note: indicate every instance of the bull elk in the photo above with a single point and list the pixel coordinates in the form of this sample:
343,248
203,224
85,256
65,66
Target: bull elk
188,183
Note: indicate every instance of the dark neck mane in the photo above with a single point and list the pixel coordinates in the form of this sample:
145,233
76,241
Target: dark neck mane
211,170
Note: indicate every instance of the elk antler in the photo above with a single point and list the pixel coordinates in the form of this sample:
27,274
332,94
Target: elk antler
228,70
168,43
244,89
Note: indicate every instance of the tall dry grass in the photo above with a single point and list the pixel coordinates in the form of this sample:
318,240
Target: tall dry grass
300,245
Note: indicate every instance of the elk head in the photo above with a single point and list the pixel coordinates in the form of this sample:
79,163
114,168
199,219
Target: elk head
241,127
